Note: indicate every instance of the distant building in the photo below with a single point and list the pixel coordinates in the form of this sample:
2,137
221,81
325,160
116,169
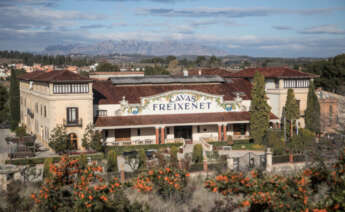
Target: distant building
107,75
332,111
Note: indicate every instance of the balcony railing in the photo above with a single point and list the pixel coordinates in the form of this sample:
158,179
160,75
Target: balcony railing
78,123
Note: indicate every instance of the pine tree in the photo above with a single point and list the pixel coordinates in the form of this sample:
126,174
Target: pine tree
312,113
14,100
259,109
291,111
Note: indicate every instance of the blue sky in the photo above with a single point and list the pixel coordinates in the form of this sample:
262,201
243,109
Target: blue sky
294,28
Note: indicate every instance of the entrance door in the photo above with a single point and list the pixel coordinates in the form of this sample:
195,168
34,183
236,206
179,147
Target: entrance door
183,132
122,134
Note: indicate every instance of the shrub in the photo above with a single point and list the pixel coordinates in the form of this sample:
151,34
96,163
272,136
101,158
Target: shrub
92,139
58,140
230,140
46,167
82,161
142,158
274,140
173,157
20,131
166,182
302,141
197,156
111,161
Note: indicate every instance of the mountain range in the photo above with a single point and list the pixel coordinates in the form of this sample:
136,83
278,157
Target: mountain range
156,48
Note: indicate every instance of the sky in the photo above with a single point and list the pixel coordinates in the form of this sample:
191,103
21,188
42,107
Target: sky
263,28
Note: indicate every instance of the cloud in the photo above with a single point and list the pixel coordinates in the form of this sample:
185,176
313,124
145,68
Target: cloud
231,12
323,29
282,27
44,3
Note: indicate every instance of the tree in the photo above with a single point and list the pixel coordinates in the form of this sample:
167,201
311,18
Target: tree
111,161
156,70
59,141
200,60
14,100
3,104
142,158
291,110
312,113
259,109
47,163
197,155
92,139
107,67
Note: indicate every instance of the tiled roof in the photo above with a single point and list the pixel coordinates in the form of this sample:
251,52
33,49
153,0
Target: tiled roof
210,71
54,76
107,93
273,72
118,73
173,119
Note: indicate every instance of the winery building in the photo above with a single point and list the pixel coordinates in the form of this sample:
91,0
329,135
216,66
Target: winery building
131,110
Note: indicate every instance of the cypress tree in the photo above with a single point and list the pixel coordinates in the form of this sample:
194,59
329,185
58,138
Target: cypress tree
259,109
312,113
3,104
291,111
14,100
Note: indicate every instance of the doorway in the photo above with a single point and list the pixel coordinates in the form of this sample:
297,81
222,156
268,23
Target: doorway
183,132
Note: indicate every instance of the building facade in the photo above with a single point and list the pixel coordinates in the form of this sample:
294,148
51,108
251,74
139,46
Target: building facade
50,99
136,110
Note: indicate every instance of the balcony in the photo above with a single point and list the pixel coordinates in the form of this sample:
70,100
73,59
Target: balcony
78,123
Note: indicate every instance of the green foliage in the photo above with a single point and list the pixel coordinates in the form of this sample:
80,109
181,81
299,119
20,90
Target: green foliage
291,110
34,161
20,131
121,149
274,140
46,167
156,70
111,161
142,158
312,113
173,156
30,59
82,161
58,140
197,155
304,140
332,74
14,99
259,109
92,139
107,67
3,104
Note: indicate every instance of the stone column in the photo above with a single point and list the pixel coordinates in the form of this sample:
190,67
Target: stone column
219,132
268,160
157,135
224,132
162,135
291,157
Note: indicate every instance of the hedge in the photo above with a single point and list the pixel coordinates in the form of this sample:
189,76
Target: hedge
121,149
34,161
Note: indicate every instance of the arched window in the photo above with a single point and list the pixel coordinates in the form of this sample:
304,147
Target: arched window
73,140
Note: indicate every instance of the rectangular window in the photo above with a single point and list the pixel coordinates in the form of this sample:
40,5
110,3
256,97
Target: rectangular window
101,113
139,132
45,111
298,104
198,128
72,115
168,130
71,88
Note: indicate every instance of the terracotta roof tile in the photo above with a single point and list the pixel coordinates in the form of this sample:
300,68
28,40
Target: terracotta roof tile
173,119
273,72
54,76
107,93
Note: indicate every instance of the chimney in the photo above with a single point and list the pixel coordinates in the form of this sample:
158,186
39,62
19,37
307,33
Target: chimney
199,72
185,73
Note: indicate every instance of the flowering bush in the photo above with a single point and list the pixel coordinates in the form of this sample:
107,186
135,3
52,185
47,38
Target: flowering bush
281,193
79,189
166,182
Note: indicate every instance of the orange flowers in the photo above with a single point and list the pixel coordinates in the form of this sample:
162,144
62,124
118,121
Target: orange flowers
245,203
90,197
104,198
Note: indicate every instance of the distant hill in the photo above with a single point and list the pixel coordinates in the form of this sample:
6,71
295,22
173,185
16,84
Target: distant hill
157,48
